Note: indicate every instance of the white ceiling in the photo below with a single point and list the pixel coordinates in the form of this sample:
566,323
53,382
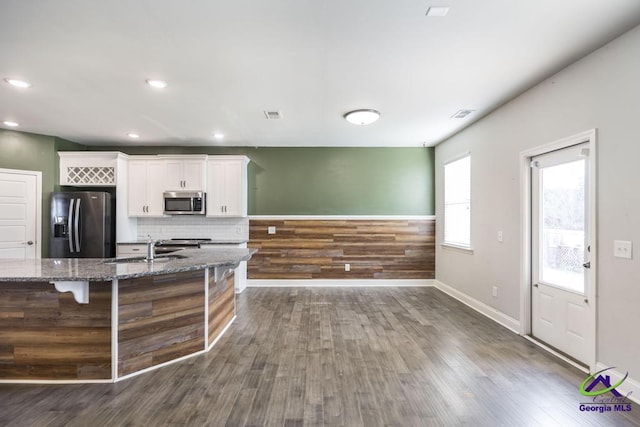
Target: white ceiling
227,61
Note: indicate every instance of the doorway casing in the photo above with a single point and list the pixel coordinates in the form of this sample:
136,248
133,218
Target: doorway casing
588,137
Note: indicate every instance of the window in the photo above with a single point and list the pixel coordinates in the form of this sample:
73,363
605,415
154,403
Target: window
457,202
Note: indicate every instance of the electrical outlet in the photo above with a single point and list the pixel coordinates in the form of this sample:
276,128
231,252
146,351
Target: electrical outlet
271,229
238,230
347,267
494,292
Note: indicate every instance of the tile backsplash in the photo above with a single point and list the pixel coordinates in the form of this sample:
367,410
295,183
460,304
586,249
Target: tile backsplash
187,226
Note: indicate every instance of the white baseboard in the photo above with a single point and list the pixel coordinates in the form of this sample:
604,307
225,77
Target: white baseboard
490,312
629,387
327,283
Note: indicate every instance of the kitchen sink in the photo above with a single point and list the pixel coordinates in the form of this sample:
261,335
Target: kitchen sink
143,260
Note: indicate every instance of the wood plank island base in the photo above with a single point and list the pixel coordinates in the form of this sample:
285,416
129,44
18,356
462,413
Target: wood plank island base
132,317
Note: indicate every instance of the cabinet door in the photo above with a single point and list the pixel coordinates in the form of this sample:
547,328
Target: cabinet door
233,188
174,176
156,185
137,196
193,175
215,187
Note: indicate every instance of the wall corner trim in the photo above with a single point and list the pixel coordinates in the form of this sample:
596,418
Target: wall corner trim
482,308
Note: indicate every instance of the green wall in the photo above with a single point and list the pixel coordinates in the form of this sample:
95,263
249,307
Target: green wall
282,181
329,180
27,151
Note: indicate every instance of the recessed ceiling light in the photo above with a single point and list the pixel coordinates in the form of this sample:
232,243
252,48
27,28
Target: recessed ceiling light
18,83
362,117
10,123
218,135
158,84
133,135
437,11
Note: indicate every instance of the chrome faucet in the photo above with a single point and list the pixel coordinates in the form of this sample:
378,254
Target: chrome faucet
151,249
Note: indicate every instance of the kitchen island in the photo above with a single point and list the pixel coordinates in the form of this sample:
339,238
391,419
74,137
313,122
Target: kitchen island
96,320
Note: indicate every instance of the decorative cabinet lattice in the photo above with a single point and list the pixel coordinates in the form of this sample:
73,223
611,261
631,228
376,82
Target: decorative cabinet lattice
91,175
89,169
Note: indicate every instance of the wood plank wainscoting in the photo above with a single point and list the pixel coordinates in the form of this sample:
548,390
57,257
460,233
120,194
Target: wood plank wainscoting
320,248
51,335
221,304
161,318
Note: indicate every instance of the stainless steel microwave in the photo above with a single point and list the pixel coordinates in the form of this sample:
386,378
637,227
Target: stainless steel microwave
185,203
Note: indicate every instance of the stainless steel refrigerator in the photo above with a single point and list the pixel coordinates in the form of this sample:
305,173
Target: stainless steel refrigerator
82,225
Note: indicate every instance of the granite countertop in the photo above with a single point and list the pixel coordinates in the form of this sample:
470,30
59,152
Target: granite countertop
97,270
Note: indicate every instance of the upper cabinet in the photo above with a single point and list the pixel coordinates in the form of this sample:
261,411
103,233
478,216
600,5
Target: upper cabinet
146,185
227,186
141,180
90,168
185,173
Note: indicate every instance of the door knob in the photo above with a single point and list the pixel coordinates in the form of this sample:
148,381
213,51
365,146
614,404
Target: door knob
30,242
587,264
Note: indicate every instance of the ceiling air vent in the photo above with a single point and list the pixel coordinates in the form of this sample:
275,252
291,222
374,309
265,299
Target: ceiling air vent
272,115
461,114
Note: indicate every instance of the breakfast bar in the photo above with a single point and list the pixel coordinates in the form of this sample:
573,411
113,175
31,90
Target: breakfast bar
103,320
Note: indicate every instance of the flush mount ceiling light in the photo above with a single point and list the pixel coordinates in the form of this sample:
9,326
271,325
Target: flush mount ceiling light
437,11
218,135
10,123
18,83
158,84
133,135
362,117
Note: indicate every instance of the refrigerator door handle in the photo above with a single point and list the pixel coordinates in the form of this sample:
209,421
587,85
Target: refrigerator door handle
77,225
70,221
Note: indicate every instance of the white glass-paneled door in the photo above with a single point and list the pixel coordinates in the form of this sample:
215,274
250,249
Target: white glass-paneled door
561,309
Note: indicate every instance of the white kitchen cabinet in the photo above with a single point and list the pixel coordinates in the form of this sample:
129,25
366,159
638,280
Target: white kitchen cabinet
146,185
129,250
185,173
227,186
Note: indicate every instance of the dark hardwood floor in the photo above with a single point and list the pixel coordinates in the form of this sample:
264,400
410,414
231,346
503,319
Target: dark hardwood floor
338,356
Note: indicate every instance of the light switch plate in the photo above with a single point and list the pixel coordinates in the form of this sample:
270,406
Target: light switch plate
622,249
500,236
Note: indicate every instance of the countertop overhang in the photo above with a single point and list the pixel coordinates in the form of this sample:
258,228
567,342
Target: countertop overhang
97,270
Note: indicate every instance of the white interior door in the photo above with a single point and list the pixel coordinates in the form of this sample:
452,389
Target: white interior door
19,215
561,310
